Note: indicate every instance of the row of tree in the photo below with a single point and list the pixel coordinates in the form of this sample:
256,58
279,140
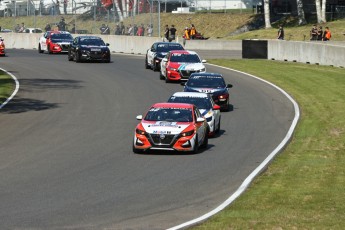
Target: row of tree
320,12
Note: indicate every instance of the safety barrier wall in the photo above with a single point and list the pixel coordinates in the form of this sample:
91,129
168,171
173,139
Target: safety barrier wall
122,44
322,53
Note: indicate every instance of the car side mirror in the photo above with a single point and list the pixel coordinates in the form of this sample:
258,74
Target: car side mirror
139,117
228,86
183,83
165,59
216,107
153,50
200,119
203,61
107,44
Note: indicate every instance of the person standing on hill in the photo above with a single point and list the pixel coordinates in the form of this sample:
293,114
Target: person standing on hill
172,33
192,32
281,33
313,33
326,34
166,33
319,33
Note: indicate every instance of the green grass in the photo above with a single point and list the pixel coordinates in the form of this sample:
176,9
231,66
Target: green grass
212,25
304,187
6,86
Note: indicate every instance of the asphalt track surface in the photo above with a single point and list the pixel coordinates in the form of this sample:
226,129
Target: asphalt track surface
66,139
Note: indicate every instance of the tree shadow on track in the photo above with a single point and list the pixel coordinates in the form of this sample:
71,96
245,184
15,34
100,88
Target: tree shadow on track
20,105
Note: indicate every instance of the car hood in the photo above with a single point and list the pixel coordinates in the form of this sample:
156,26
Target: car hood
186,66
164,127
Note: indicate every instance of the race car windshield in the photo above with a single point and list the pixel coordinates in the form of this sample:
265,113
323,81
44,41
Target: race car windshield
168,47
169,114
192,58
61,37
200,102
208,82
92,42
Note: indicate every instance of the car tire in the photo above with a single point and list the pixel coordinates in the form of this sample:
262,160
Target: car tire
77,57
166,78
161,76
205,142
155,67
196,146
135,150
146,64
39,49
49,50
218,127
70,58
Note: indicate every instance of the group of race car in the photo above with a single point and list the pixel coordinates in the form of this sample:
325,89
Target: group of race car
186,121
80,48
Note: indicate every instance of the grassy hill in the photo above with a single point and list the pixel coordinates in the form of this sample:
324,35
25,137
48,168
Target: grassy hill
212,25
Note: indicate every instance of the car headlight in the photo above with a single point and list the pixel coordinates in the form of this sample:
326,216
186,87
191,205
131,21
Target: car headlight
139,131
202,70
188,133
172,69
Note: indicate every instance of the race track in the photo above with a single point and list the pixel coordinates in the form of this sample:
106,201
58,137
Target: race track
66,138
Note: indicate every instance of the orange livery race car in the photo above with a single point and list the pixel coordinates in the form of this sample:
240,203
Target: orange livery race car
2,47
171,126
55,42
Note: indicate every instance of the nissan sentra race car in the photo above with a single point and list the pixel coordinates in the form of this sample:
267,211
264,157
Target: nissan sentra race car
171,126
55,42
180,64
2,47
212,84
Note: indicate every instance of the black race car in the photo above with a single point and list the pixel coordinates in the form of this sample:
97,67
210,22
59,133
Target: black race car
88,48
157,52
210,83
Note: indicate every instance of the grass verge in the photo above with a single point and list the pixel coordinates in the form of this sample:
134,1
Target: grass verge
304,187
6,86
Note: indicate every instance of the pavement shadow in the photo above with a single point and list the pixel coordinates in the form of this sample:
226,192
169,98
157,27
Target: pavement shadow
21,105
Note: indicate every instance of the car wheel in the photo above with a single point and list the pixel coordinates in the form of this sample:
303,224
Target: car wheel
49,50
77,57
196,146
146,64
205,143
166,78
70,58
218,127
135,150
155,67
39,49
161,76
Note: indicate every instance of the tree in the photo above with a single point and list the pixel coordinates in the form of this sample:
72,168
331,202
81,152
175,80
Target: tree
300,12
320,11
323,10
267,14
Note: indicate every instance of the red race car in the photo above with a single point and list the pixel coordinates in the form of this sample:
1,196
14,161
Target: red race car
2,47
55,42
171,126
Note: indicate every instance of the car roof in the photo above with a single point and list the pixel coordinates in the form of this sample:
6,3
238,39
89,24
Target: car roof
183,52
172,105
190,94
168,43
206,74
89,37
58,32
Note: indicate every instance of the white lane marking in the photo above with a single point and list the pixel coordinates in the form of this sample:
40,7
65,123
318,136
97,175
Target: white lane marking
259,169
15,90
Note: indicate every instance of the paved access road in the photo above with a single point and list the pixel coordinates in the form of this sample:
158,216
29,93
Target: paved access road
66,138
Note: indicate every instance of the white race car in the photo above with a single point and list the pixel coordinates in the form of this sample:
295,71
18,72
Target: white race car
207,107
55,42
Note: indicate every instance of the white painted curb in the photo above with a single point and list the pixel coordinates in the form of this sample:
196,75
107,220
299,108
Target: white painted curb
15,90
258,170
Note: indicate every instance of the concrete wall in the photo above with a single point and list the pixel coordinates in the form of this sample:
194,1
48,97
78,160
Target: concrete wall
322,53
122,44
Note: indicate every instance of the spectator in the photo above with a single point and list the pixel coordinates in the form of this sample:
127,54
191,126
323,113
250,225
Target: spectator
62,24
172,33
166,33
17,28
107,30
48,27
319,33
22,28
143,28
192,32
281,33
102,29
117,29
185,35
135,30
130,30
123,28
327,34
140,31
149,30
73,29
313,33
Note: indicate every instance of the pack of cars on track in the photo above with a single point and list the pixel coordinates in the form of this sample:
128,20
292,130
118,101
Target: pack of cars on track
186,121
79,49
